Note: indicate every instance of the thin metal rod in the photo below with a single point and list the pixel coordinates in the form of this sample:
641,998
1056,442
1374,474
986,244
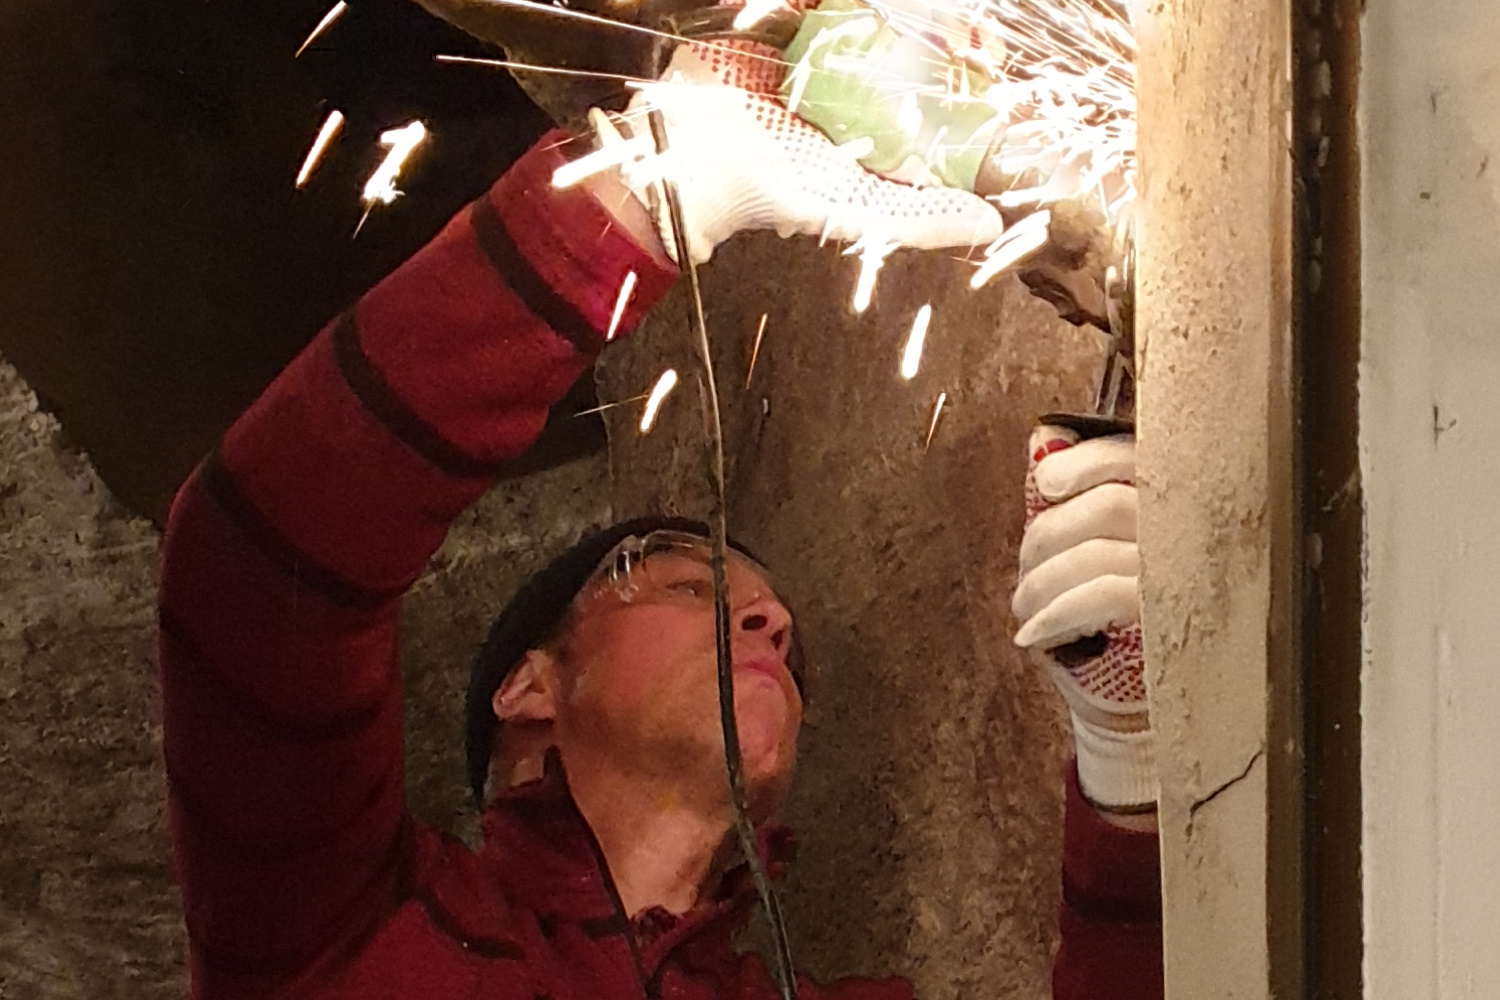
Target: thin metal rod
786,979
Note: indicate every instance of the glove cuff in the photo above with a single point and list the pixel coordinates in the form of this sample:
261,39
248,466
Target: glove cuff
1115,769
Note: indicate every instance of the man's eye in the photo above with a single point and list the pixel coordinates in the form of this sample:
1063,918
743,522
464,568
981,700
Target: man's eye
698,587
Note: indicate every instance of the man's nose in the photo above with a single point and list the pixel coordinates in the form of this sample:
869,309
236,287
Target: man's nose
765,615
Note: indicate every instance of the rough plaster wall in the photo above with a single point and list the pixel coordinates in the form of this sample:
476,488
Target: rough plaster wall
87,908
928,796
1429,423
1214,310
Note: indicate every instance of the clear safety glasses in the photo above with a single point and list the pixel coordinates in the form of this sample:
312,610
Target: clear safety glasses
672,567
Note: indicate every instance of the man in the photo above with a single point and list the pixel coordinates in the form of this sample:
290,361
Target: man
606,869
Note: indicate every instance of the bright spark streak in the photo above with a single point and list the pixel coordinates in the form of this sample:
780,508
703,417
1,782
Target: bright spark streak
858,25
872,250
1025,238
535,68
664,385
611,155
755,351
937,411
754,12
331,126
610,406
909,116
857,149
381,186
911,358
800,75
334,13
627,289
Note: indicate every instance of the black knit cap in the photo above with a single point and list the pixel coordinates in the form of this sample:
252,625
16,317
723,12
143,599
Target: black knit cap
531,619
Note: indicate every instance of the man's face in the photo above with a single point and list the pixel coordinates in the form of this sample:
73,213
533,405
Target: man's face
638,672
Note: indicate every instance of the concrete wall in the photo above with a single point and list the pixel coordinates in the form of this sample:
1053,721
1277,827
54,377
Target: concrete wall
930,789
159,269
929,793
87,907
1430,117
1215,463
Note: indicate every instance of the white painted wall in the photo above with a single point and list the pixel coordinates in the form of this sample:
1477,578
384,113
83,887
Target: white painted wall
1430,440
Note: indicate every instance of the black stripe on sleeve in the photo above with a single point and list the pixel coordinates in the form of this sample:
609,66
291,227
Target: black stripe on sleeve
344,726
602,927
484,947
516,271
219,484
224,836
382,403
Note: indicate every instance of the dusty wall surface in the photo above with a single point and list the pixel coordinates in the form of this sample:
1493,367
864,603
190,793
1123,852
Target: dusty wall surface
87,907
1214,321
1428,427
929,794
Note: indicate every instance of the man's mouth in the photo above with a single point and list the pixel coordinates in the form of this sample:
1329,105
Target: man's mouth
768,665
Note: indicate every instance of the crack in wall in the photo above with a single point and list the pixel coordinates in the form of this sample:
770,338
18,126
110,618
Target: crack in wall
1197,804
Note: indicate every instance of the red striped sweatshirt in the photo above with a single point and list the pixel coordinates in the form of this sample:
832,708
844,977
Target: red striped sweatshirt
284,561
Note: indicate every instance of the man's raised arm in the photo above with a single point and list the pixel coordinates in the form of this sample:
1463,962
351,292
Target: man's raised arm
287,551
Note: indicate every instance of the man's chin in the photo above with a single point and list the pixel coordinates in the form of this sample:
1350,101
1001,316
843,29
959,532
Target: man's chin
768,750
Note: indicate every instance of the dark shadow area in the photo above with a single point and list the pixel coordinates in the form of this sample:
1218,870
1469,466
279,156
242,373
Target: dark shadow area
158,266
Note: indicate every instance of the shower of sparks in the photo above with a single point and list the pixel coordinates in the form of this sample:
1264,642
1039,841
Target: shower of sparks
331,126
664,385
755,351
1024,239
872,251
336,12
911,358
937,411
381,186
627,289
1060,75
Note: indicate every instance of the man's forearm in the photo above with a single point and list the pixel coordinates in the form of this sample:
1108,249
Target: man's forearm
1111,908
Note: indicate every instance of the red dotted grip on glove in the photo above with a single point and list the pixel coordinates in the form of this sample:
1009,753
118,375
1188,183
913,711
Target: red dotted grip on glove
1109,665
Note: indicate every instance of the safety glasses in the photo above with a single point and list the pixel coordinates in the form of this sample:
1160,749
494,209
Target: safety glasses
675,567
671,567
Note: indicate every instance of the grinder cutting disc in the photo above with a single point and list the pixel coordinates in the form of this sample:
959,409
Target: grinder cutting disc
541,37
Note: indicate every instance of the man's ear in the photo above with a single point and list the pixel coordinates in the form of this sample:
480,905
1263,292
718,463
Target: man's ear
529,694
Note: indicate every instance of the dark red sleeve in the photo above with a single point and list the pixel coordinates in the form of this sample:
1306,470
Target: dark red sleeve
287,551
1111,909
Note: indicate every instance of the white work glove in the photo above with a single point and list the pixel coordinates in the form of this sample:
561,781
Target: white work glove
1078,602
742,161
